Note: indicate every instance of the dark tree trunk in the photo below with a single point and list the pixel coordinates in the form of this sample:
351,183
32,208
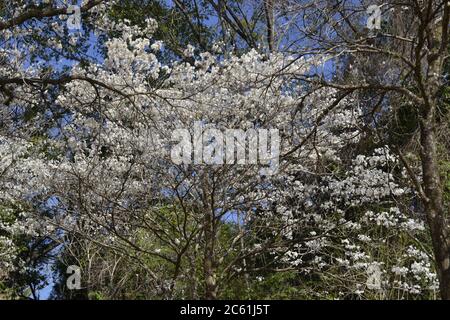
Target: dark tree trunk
208,259
268,9
434,205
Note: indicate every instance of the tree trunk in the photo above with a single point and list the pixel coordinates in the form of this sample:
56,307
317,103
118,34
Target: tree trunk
209,259
268,9
434,205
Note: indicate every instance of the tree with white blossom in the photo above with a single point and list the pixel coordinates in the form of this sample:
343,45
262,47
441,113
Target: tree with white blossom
87,165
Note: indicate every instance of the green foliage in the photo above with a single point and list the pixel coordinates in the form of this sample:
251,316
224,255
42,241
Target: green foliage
278,285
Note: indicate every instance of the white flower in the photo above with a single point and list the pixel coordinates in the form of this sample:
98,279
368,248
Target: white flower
156,46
